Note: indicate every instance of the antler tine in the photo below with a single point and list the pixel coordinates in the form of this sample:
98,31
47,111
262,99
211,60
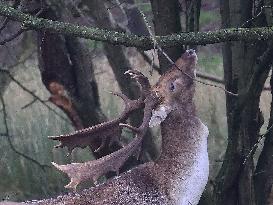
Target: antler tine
94,169
130,105
142,81
150,102
85,137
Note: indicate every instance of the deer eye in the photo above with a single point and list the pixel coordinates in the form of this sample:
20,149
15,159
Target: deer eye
172,87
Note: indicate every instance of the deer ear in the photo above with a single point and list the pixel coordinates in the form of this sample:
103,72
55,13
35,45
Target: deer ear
159,115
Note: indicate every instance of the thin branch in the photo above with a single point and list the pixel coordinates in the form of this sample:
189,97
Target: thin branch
4,24
118,4
20,31
7,135
173,63
32,94
13,36
4,135
29,104
155,44
21,61
144,42
199,74
256,16
6,20
255,146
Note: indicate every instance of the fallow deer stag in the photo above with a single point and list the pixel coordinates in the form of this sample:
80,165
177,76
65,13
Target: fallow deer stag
178,176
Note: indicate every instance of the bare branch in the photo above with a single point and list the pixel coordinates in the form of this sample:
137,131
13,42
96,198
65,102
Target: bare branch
199,74
173,63
32,94
19,32
4,24
8,137
6,20
118,4
13,36
29,104
262,9
255,146
114,37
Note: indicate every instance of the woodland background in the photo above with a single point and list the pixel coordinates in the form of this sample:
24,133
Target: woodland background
52,84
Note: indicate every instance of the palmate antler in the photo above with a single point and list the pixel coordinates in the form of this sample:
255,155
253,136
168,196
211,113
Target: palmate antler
92,170
110,130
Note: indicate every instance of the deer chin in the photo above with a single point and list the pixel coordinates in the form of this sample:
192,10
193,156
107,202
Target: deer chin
159,115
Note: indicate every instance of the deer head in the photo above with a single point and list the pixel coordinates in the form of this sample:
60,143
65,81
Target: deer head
175,88
166,96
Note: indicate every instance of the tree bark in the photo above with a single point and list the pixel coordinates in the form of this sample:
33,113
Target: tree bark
263,177
67,73
118,38
166,20
263,174
234,183
120,64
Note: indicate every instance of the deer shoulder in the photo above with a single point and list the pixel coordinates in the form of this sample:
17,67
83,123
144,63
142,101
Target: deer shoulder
178,176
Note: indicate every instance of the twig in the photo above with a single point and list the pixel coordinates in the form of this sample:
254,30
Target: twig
84,18
22,61
199,74
29,104
13,36
4,135
32,94
194,79
115,5
4,24
252,151
18,33
42,166
6,20
152,36
256,16
173,63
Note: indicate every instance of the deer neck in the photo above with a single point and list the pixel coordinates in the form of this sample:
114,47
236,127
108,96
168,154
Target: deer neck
184,160
177,136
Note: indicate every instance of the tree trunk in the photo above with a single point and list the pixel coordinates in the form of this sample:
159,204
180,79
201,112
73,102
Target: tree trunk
264,171
263,177
167,21
120,64
67,73
234,183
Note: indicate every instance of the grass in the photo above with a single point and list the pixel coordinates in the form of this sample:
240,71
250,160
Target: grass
211,62
20,178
